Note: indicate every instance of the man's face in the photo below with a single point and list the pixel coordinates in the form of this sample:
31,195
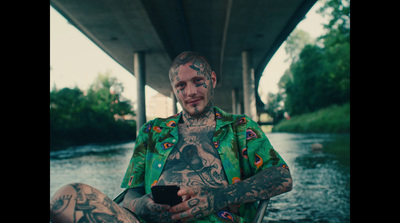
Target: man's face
193,86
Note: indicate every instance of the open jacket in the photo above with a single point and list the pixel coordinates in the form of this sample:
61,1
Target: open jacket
243,147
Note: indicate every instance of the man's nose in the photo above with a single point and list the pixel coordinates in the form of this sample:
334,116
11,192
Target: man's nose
191,90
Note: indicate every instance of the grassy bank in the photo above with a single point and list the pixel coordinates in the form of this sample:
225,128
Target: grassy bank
333,119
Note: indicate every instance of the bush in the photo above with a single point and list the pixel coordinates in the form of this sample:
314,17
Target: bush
77,118
333,119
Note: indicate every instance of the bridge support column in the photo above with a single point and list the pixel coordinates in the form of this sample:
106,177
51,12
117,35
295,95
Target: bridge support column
140,74
235,101
248,86
239,108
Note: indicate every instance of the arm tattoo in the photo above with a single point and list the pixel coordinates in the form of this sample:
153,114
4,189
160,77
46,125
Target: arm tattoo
268,183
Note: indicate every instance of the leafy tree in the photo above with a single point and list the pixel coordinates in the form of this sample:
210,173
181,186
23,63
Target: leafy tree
77,118
339,11
297,40
275,107
307,90
65,105
320,75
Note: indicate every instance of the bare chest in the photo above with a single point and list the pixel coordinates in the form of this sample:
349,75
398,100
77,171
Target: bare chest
194,160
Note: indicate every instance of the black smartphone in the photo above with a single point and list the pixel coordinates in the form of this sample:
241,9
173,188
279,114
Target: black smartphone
166,194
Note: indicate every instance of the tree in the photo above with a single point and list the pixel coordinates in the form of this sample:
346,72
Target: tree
307,91
339,11
295,42
275,107
76,118
319,75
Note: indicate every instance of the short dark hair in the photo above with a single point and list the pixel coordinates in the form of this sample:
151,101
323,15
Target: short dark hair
184,58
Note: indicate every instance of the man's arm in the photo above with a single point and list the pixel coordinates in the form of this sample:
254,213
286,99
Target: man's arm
131,197
143,205
265,184
204,201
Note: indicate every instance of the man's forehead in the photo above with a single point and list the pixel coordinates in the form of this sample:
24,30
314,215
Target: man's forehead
186,70
189,64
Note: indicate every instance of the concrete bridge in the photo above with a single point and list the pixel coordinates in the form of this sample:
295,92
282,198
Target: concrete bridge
239,37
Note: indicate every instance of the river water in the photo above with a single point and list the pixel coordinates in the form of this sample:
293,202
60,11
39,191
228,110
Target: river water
321,180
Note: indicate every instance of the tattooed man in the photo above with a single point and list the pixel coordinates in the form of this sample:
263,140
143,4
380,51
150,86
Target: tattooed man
222,163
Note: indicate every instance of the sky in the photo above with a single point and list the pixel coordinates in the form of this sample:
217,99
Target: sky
76,61
313,24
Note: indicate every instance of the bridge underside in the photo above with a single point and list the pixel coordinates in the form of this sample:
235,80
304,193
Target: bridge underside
227,32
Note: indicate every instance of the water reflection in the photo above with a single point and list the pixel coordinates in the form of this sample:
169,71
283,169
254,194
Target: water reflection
101,166
321,180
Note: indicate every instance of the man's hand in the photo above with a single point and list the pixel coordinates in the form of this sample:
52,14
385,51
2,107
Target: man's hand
198,202
150,211
204,201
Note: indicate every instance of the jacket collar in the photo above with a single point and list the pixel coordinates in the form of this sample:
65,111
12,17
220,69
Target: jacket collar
222,118
172,121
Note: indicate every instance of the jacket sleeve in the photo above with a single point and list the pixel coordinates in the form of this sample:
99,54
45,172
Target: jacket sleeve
135,173
260,153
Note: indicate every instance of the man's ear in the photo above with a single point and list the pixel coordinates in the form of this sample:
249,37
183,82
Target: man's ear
214,79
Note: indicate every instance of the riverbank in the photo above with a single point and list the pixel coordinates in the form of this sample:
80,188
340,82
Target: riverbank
333,119
105,132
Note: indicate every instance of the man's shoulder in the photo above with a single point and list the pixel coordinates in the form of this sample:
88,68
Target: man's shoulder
175,118
236,119
170,121
224,116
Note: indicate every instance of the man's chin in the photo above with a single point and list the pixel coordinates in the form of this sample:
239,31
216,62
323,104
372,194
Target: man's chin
194,110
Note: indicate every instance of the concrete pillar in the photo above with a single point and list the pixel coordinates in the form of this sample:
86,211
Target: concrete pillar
248,86
234,101
174,108
239,108
140,74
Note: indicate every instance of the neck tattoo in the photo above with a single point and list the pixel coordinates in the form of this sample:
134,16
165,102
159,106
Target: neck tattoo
198,121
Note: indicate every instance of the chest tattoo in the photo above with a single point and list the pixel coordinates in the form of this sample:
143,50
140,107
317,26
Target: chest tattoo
194,160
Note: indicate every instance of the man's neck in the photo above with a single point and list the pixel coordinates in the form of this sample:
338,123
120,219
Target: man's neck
204,119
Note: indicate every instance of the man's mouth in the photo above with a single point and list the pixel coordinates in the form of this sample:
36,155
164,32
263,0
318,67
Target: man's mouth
193,101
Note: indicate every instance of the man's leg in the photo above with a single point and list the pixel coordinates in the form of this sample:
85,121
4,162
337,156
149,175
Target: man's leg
82,203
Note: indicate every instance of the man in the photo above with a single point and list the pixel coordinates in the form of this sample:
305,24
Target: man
222,163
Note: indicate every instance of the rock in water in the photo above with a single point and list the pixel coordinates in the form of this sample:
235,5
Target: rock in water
316,147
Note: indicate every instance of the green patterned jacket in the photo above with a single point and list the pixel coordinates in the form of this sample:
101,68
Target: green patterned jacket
243,147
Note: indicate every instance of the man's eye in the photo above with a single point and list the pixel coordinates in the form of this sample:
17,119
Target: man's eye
198,81
180,85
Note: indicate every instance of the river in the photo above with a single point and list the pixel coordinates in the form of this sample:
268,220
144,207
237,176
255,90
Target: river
321,180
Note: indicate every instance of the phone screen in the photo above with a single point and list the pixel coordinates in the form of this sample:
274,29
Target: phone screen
166,194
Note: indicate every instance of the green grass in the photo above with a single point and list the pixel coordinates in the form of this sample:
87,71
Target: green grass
333,119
